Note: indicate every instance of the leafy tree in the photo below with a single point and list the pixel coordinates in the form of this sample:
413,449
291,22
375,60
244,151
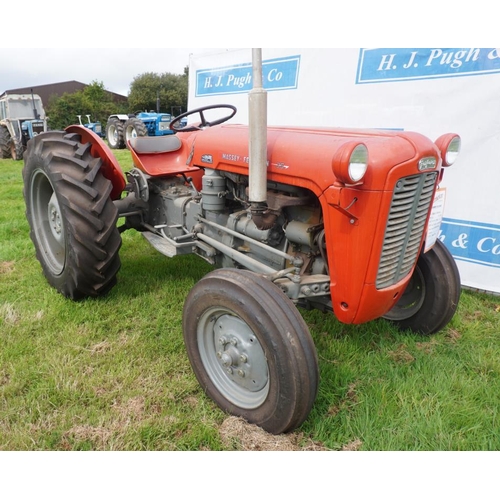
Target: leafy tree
169,89
93,100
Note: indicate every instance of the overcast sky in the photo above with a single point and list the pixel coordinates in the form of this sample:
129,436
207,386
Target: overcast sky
386,23
114,67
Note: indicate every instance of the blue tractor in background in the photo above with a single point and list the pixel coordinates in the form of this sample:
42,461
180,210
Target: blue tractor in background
144,123
121,128
94,126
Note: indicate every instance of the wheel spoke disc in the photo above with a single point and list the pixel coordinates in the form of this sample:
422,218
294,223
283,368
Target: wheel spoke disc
48,222
233,358
130,133
55,221
411,300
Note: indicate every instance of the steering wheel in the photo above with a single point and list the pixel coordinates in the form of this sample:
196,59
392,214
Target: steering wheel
203,122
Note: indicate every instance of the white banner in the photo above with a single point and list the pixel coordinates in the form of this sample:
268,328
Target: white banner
432,91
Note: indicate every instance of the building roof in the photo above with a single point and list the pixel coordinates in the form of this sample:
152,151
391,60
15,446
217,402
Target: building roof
58,89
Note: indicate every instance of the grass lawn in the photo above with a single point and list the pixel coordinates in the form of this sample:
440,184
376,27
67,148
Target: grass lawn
113,374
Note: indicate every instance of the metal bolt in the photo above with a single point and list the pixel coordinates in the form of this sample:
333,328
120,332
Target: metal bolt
226,359
241,373
223,340
233,341
243,358
229,371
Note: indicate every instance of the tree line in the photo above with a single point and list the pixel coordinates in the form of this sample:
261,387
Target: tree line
148,91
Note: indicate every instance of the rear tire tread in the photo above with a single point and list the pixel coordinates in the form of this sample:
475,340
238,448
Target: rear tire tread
92,240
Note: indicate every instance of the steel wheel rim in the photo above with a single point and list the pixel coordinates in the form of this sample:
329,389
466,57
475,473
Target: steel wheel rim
48,222
233,358
112,135
412,299
130,133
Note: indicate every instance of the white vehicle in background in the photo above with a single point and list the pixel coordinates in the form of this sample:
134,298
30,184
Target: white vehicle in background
22,117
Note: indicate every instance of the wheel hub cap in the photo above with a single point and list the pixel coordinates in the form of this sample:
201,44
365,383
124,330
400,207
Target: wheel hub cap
239,353
55,222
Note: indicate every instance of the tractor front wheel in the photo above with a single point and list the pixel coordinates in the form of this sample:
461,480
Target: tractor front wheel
250,349
71,216
134,128
431,297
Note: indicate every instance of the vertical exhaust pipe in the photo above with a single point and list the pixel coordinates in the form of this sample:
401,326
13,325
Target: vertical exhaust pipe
257,114
35,112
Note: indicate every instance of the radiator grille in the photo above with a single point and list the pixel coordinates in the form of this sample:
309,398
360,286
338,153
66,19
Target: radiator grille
37,128
405,226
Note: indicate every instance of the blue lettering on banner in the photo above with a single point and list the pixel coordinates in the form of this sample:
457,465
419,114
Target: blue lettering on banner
392,65
277,74
475,242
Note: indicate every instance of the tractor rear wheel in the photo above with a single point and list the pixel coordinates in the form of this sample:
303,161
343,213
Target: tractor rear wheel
4,142
250,349
431,297
71,215
114,134
134,128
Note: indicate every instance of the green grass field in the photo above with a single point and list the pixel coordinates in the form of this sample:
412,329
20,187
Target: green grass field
113,374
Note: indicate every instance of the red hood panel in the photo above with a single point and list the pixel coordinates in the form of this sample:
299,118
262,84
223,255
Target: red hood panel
307,154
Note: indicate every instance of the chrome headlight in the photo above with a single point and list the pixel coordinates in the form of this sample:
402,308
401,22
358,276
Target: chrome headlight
350,163
449,147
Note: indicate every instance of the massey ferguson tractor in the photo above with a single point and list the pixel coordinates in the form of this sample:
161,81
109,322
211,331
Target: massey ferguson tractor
333,219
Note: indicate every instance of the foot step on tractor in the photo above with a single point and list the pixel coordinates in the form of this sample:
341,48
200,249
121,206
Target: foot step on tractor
331,219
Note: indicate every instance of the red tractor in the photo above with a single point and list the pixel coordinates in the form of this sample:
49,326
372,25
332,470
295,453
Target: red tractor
335,219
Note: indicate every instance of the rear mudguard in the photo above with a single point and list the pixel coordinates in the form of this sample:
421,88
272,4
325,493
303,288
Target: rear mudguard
110,166
165,156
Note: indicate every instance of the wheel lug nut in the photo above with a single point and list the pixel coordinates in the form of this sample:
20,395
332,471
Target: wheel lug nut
243,358
241,373
233,341
229,371
223,341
